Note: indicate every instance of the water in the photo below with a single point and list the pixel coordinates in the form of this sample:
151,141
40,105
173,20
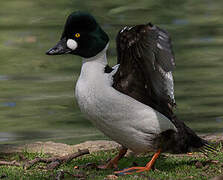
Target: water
36,91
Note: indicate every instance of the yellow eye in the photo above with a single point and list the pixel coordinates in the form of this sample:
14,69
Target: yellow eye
77,35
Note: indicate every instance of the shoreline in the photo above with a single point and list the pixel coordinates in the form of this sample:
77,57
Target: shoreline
61,149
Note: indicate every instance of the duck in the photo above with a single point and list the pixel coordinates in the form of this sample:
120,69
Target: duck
133,102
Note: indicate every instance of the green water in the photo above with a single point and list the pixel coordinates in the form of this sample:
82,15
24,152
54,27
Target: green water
37,91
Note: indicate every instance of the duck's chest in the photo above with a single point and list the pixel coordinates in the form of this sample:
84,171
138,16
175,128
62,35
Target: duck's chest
91,94
88,97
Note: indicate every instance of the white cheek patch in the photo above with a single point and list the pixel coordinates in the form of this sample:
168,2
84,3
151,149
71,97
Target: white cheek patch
72,44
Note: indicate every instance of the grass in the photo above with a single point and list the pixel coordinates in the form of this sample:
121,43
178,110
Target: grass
168,166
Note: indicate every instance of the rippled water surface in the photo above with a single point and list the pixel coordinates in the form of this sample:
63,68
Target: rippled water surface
36,91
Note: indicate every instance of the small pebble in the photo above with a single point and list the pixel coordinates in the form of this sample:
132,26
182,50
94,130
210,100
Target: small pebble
198,164
111,177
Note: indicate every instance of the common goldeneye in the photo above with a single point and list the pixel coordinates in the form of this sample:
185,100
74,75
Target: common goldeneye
132,103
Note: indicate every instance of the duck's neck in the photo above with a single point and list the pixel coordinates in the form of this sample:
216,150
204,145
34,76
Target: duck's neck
99,58
94,66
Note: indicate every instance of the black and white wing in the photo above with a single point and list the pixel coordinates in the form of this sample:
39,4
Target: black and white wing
146,63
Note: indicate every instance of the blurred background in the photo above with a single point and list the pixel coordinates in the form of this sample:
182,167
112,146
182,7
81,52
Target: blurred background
37,91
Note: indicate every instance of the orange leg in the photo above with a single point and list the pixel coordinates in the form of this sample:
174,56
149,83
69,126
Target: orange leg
114,162
140,169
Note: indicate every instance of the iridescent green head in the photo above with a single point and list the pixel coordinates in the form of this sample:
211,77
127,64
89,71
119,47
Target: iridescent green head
81,36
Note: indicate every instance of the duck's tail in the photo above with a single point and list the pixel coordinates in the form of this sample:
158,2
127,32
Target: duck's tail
186,140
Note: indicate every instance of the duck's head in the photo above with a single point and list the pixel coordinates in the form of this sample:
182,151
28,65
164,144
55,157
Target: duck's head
81,36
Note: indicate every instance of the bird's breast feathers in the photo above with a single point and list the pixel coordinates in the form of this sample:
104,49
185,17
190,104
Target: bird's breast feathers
103,104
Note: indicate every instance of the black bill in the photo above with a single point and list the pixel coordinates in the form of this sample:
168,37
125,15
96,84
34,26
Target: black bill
60,48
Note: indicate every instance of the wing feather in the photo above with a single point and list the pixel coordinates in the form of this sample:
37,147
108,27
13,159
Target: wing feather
146,63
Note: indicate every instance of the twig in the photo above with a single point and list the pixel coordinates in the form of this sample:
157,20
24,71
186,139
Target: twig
52,162
55,161
10,163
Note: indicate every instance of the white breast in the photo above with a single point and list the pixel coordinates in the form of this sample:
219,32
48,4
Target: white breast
118,116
